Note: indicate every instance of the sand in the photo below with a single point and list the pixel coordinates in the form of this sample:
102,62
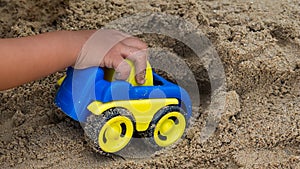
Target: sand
258,43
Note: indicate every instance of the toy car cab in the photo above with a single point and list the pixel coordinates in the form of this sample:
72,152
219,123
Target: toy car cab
113,111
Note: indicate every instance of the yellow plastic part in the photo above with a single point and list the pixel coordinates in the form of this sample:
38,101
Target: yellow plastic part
110,137
109,75
167,128
59,82
142,110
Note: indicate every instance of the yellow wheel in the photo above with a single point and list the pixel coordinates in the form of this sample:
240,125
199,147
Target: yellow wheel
111,131
169,129
115,134
168,126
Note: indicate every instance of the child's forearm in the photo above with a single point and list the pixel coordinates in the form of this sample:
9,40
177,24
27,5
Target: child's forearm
30,58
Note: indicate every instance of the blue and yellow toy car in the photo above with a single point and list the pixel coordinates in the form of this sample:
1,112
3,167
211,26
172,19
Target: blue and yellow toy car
113,111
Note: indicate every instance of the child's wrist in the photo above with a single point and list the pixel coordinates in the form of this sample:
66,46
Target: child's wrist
76,40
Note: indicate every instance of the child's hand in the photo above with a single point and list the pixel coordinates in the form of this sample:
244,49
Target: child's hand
109,48
30,58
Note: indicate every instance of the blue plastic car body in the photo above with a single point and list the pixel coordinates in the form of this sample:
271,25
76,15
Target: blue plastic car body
82,87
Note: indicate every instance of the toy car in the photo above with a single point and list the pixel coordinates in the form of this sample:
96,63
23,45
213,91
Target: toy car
113,111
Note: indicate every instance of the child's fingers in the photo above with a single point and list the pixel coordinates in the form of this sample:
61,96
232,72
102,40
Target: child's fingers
139,58
123,50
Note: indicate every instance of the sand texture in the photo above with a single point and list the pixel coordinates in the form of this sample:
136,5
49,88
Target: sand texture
258,43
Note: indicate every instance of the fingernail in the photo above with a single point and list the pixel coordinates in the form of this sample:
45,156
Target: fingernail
140,78
117,75
142,81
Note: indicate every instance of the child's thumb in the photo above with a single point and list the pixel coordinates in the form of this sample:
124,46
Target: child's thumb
122,68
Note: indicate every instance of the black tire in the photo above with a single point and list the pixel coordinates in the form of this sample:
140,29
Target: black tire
149,135
95,123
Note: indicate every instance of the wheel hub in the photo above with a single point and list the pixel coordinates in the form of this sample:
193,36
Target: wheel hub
167,127
113,132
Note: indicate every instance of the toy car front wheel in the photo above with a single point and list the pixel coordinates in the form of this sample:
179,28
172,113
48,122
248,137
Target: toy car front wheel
110,131
167,126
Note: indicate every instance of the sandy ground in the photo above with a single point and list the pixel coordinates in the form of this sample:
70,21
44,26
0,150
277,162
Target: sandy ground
258,43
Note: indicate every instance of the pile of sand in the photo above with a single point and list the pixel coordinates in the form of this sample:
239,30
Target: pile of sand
258,43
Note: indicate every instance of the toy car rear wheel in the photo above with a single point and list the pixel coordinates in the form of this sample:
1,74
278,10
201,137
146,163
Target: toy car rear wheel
111,131
167,126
